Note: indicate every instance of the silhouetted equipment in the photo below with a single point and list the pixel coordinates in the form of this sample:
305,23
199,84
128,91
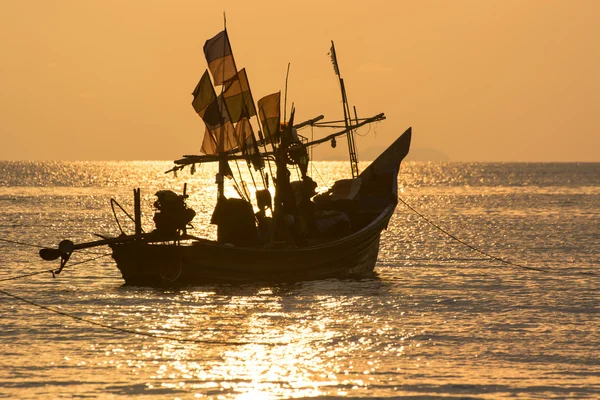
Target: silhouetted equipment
235,219
172,215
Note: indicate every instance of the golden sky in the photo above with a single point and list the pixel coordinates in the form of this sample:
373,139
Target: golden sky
478,80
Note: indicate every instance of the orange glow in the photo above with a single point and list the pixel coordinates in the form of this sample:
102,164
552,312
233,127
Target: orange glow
499,80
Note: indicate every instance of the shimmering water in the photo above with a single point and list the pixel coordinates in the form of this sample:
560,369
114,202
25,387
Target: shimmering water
439,320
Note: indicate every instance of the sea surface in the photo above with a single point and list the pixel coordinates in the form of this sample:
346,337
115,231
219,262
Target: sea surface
439,320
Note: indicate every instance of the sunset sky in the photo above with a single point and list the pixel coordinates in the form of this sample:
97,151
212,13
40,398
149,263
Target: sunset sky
498,80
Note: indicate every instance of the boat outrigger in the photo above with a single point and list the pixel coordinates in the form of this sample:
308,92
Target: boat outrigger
296,234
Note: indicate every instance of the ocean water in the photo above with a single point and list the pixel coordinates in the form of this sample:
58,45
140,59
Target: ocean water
438,320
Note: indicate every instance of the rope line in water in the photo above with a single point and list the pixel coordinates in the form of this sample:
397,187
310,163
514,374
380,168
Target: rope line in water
37,246
131,331
52,270
110,327
467,244
201,341
21,243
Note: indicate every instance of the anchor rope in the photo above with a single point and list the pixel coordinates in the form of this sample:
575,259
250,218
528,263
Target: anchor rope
131,331
468,245
21,243
490,255
107,326
38,246
52,270
141,333
203,341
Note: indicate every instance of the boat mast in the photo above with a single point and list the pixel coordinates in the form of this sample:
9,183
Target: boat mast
223,162
347,117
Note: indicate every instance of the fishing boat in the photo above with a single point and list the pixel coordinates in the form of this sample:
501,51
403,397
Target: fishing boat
283,230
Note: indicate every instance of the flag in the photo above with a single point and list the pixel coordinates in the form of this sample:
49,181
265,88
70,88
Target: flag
269,115
204,94
209,143
238,97
220,139
250,147
215,114
219,57
220,135
243,131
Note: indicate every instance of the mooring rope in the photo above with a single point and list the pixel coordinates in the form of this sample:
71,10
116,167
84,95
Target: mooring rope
37,246
52,270
21,243
131,331
106,326
467,244
202,341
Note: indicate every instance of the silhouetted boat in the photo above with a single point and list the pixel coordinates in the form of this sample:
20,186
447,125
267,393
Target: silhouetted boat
297,235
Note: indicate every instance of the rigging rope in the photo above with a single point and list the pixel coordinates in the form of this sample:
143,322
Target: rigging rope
112,205
297,172
320,177
240,174
468,245
312,133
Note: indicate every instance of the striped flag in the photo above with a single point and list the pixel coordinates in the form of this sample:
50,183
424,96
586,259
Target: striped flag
270,114
204,95
219,57
238,97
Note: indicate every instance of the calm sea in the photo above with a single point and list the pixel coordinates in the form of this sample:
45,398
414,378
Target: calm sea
439,320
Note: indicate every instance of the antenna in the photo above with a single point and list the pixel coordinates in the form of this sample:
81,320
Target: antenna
287,75
347,116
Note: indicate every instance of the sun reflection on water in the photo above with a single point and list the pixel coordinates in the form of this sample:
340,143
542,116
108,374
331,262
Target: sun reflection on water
276,343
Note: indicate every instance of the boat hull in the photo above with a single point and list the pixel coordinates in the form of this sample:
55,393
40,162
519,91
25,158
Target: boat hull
154,264
159,264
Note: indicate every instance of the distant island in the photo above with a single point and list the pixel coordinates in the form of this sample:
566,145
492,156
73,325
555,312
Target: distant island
426,154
